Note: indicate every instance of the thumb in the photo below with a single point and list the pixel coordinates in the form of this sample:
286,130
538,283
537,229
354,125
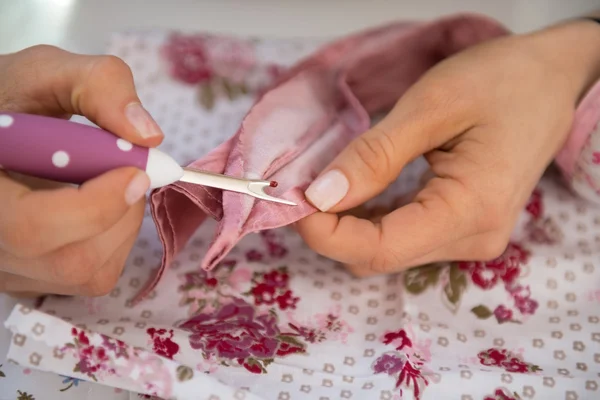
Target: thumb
101,88
371,162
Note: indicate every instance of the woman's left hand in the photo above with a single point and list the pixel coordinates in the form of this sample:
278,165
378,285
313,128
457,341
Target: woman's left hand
489,121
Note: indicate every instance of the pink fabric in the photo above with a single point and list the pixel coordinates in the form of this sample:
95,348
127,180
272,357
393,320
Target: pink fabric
586,119
298,126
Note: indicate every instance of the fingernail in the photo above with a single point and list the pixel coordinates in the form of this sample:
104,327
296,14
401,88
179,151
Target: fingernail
137,188
142,121
328,190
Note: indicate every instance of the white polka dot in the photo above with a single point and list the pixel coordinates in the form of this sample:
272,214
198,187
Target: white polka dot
124,145
60,159
6,121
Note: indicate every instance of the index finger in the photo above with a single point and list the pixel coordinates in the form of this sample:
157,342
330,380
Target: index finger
101,88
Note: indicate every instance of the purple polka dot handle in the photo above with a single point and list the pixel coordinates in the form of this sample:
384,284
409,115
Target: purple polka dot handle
61,150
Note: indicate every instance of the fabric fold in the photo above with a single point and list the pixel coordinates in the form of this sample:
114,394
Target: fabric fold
301,123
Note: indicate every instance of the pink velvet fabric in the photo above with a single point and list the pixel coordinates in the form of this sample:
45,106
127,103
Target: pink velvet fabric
298,126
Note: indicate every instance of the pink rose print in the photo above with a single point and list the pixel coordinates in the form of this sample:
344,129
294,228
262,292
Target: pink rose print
321,327
276,250
505,268
238,278
188,58
596,158
254,256
593,296
541,230
286,300
290,347
201,290
523,301
277,278
506,360
220,66
397,339
453,278
94,359
272,288
231,58
544,231
388,364
236,333
162,343
406,364
274,244
535,206
149,373
263,294
503,314
500,394
311,335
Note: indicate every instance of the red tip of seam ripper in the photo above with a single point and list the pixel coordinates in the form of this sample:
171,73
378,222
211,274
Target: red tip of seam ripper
273,184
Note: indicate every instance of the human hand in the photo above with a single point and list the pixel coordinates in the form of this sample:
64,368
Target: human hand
488,121
61,239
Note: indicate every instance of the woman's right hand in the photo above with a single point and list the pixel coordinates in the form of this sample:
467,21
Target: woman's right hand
58,239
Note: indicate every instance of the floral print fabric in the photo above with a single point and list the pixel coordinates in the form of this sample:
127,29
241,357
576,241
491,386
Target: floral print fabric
276,321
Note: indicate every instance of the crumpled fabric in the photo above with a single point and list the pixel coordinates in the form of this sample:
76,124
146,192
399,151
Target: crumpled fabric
275,321
301,123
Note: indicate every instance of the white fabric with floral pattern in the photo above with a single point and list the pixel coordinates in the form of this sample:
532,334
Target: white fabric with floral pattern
276,321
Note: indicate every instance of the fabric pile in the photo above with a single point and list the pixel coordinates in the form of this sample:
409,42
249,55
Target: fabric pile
206,310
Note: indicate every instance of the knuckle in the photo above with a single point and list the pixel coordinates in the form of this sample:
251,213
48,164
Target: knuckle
100,219
491,216
493,246
75,267
110,66
101,71
314,242
98,287
312,235
22,239
104,282
375,153
382,263
384,257
442,92
39,51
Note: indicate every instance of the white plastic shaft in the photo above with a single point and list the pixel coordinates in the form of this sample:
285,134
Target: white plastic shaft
162,169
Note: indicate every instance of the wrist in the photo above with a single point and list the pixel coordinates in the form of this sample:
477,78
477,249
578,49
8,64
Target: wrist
573,49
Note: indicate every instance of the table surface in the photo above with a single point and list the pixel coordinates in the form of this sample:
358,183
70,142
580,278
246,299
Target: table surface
84,25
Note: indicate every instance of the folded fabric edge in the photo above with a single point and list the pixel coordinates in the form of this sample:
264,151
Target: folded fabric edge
587,117
302,64
178,380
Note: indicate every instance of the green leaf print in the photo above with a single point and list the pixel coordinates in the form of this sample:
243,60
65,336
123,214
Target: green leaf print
184,373
24,396
207,96
482,312
457,283
417,280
